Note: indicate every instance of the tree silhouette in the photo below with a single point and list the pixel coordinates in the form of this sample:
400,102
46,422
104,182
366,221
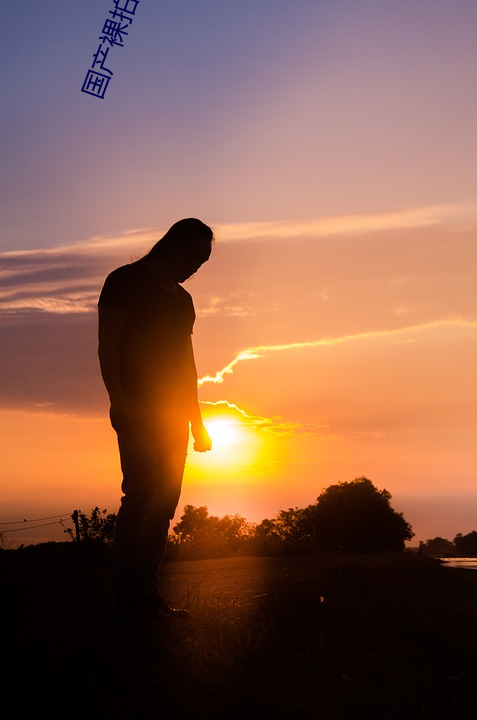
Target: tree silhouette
353,516
193,521
199,534
466,545
357,517
288,533
437,546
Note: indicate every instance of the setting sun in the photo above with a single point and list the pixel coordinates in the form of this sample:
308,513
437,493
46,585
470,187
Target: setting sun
236,447
223,432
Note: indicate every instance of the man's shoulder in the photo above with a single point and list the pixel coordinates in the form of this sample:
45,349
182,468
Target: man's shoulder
126,275
119,281
127,272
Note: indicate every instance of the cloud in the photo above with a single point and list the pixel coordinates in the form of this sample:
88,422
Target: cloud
250,354
232,306
67,278
273,426
50,360
253,299
255,353
68,303
339,225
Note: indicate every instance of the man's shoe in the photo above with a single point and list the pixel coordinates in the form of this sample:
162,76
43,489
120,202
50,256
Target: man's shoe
164,608
146,608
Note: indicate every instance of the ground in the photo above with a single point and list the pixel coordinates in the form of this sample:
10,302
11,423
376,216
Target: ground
327,637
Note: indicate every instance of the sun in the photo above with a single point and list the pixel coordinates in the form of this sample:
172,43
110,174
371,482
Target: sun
236,446
223,432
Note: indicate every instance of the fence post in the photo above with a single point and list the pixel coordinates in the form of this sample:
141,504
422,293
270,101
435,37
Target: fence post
76,524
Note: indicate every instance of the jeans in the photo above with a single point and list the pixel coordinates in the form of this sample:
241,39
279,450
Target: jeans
153,450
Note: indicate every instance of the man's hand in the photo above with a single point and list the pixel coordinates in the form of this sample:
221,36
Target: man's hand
202,439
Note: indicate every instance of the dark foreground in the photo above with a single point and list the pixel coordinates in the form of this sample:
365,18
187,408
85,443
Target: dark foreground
328,637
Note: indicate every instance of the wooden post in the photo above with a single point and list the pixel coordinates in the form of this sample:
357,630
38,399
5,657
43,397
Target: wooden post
76,524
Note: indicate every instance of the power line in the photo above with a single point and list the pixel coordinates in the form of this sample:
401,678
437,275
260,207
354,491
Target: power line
30,527
21,522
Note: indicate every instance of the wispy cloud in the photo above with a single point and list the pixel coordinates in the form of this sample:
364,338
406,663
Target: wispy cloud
339,225
233,305
61,280
259,351
68,304
67,278
251,302
275,425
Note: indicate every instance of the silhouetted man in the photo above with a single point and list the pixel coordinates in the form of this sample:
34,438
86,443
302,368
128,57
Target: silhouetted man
147,363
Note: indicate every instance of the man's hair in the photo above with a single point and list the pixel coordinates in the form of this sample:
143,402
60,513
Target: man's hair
180,234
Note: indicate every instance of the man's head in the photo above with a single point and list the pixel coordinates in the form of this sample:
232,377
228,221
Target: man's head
184,248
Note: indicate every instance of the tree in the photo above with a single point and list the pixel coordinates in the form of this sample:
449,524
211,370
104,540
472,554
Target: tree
286,534
192,523
437,546
466,545
267,535
235,531
199,534
282,528
357,517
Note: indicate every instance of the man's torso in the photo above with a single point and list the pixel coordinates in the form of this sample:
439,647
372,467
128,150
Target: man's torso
158,324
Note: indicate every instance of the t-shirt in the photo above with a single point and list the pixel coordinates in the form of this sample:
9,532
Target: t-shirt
153,349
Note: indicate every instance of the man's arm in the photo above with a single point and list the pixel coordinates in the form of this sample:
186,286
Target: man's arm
202,440
111,329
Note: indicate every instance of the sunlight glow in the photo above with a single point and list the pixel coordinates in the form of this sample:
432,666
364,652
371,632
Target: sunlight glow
223,432
236,448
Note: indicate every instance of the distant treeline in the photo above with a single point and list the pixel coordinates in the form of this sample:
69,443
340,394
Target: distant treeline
461,546
350,516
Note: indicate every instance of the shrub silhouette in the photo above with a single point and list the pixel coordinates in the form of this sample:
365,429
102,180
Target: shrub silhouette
100,526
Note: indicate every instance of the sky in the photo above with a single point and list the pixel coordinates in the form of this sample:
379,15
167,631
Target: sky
331,145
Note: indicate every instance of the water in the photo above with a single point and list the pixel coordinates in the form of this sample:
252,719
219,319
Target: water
468,563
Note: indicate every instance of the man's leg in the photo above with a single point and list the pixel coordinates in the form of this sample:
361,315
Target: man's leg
171,450
152,460
139,466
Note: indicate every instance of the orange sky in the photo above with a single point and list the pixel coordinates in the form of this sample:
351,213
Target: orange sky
331,147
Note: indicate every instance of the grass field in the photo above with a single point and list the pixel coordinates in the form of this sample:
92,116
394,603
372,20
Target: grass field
326,637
